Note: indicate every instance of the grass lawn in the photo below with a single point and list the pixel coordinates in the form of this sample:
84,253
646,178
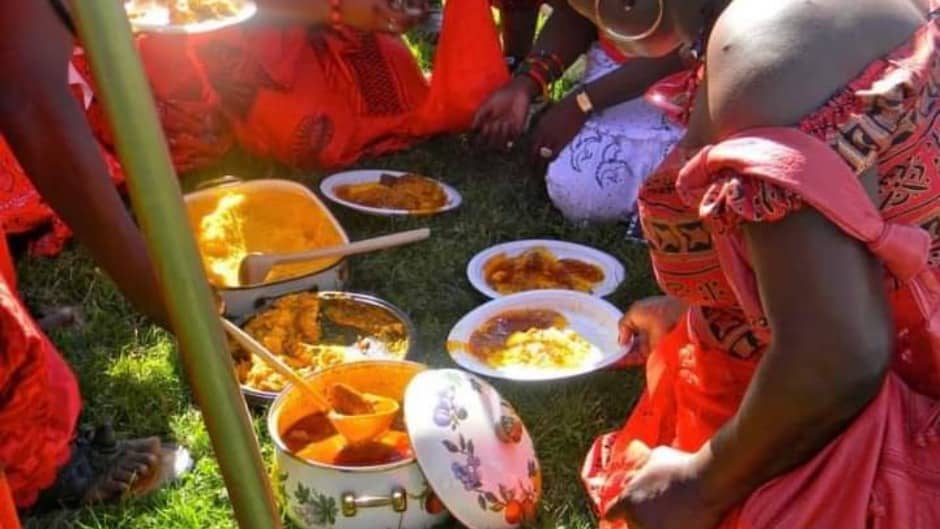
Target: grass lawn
129,370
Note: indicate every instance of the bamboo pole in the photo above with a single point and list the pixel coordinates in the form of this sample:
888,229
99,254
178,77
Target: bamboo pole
157,200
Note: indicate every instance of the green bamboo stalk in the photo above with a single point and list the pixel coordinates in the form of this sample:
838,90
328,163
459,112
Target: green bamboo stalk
157,200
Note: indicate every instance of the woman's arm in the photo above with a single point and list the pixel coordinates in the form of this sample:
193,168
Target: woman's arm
47,130
631,80
823,295
562,122
566,34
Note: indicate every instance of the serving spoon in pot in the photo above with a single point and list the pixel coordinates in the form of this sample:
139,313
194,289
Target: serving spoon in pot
255,267
356,427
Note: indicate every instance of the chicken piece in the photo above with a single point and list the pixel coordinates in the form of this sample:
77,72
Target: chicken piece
348,401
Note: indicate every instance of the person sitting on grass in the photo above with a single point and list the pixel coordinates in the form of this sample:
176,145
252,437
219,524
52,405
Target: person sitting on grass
793,371
601,140
45,461
317,85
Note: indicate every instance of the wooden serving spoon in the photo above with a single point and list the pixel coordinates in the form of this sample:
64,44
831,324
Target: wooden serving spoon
357,428
255,267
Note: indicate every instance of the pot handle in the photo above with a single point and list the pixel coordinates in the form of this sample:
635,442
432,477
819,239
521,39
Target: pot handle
350,503
506,423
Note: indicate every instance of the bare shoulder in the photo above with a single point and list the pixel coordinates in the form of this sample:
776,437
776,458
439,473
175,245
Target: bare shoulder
773,63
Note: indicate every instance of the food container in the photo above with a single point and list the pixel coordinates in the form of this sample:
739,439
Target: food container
263,398
471,456
283,216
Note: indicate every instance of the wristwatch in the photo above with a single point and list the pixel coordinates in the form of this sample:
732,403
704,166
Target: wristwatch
584,102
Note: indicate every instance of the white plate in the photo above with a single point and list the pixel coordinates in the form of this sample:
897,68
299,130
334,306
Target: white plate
593,318
329,185
614,272
157,18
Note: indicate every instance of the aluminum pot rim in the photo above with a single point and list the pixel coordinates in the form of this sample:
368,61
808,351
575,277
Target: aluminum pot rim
266,398
281,449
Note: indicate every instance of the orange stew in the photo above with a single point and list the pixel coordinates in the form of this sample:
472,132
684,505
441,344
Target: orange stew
409,192
539,269
314,439
492,335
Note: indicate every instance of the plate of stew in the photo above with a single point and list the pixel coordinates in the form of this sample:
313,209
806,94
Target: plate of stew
187,16
538,335
390,193
544,264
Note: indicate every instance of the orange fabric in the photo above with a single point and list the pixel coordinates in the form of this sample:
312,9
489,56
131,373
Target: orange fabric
39,398
468,67
892,450
324,98
692,208
8,516
313,101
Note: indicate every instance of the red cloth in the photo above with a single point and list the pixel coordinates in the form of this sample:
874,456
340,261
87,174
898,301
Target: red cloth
891,451
196,130
610,49
23,211
324,99
39,398
692,208
8,516
468,67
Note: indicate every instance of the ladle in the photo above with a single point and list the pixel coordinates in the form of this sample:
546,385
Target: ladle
356,429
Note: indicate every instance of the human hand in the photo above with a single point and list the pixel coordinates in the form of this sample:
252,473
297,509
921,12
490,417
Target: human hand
668,492
382,16
647,321
500,120
557,128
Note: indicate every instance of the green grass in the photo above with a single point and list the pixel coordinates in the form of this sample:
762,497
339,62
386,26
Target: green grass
129,371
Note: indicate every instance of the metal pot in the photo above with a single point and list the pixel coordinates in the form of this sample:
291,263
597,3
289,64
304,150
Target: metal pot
324,496
241,299
472,456
264,398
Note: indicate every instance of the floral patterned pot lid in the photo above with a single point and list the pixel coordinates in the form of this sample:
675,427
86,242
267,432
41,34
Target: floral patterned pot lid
473,449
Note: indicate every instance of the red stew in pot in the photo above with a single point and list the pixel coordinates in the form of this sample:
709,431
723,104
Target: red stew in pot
314,439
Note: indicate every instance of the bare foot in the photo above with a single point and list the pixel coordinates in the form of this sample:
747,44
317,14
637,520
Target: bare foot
103,469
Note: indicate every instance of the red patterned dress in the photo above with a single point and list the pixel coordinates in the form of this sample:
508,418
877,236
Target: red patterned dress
39,400
319,98
887,118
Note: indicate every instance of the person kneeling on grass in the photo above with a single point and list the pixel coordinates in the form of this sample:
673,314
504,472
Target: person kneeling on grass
43,463
793,376
602,140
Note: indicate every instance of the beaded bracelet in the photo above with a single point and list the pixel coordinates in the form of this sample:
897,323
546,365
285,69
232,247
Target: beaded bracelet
542,67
